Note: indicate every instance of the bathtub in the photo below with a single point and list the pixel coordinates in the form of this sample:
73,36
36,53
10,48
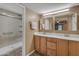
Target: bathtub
10,39
6,49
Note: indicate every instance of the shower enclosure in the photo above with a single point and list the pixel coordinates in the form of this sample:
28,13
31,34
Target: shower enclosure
10,31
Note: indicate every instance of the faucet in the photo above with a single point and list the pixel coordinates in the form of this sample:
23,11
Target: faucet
44,32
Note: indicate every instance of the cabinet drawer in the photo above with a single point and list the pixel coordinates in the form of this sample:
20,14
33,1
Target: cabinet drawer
52,40
51,52
51,45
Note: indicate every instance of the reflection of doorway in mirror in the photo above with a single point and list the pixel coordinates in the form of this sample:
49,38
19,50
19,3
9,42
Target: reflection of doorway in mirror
46,24
74,22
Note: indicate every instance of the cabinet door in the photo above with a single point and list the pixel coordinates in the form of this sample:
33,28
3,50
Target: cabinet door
51,46
43,46
51,52
73,48
37,43
62,47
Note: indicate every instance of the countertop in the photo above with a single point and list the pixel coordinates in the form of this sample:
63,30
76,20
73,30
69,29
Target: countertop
73,37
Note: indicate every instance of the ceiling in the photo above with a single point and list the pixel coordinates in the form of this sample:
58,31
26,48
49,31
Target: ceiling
14,7
37,7
47,7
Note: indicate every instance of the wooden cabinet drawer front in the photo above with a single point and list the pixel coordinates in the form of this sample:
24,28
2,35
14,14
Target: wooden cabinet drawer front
51,52
51,40
51,45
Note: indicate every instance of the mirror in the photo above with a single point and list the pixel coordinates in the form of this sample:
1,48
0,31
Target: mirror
61,23
48,24
74,22
67,23
45,24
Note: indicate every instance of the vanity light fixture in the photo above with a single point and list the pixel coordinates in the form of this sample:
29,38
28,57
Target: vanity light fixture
50,13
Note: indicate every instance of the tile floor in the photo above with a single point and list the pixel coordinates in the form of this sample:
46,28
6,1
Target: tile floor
35,54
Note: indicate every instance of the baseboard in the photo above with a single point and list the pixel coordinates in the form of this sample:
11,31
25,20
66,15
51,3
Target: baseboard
30,53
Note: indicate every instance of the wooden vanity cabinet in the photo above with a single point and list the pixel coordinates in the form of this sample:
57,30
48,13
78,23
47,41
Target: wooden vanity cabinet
37,43
51,46
40,44
56,47
62,47
43,45
74,48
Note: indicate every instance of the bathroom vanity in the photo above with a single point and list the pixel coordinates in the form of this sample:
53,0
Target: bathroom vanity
55,44
58,34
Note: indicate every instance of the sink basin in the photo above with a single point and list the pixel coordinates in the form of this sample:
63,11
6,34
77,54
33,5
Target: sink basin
66,35
52,34
44,33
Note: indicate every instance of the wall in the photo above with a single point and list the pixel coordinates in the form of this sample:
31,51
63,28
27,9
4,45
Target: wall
29,43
